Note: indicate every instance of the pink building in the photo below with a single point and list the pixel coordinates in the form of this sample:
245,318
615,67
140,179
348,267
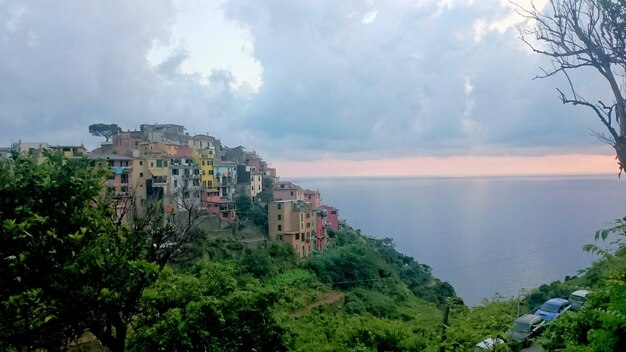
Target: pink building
120,184
254,161
184,152
313,197
213,204
332,217
124,142
286,190
320,229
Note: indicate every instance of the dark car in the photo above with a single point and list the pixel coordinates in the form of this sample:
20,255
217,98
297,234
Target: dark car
553,308
524,328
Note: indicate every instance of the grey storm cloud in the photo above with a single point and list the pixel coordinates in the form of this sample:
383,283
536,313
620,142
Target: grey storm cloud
411,81
348,78
68,64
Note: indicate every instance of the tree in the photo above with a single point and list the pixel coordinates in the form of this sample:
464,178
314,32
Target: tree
104,130
578,34
243,204
66,264
211,310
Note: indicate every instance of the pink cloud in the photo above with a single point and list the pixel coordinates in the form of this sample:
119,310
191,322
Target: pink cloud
452,166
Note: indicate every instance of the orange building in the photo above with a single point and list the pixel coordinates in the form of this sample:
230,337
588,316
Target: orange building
291,221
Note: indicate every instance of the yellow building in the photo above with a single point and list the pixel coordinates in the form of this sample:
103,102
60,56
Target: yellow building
205,158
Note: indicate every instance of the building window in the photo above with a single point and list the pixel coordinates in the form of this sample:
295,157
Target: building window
141,162
151,164
297,236
203,172
278,205
292,193
141,174
280,237
159,163
203,162
280,217
210,172
124,178
280,227
175,183
174,171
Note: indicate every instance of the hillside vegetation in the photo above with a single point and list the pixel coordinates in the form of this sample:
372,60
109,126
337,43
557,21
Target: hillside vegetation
73,276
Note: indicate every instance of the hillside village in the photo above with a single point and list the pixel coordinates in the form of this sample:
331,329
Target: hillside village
197,174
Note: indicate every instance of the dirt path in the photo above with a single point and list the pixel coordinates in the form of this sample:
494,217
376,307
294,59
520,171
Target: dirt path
326,298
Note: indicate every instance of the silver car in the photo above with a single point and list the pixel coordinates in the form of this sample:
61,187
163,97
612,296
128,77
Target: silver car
525,327
578,298
490,344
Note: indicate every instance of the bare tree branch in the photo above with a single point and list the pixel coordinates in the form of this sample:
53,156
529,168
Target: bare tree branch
584,33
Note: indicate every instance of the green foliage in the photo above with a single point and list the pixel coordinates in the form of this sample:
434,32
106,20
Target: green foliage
324,332
273,259
259,217
416,276
66,264
243,204
601,324
371,334
490,319
247,210
104,130
207,309
544,292
354,260
355,265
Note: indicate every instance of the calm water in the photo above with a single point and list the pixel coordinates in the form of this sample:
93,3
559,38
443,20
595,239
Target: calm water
483,234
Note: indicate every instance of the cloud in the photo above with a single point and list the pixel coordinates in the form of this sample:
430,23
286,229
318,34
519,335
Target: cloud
397,86
67,65
292,79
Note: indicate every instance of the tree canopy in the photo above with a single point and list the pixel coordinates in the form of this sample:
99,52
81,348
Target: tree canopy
104,130
66,265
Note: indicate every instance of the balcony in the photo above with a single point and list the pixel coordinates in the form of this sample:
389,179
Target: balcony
119,194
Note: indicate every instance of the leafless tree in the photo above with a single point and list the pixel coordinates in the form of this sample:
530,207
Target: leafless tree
167,236
585,33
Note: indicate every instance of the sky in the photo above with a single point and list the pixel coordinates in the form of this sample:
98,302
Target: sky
321,87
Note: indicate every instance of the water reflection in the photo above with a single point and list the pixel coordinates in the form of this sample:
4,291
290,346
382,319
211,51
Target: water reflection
483,235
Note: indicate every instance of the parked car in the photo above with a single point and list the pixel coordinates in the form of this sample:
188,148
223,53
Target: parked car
490,344
525,327
552,308
578,298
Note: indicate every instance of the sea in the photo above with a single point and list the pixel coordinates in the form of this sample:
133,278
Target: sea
487,236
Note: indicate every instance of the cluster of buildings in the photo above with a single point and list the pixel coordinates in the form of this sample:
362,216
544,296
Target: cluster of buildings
197,173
